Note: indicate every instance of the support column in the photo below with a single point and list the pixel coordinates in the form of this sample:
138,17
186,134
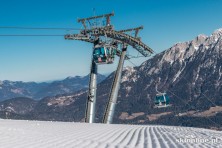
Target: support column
91,101
110,108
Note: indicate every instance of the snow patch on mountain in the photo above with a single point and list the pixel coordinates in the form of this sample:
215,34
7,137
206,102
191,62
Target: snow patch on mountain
17,91
9,109
128,73
220,72
61,101
128,89
153,70
64,100
178,73
216,35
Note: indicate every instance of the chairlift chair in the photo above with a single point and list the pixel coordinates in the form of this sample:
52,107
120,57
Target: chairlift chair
162,100
104,54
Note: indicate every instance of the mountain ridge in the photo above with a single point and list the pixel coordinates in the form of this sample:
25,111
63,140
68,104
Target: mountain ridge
12,89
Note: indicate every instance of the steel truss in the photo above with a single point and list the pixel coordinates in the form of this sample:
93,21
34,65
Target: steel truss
92,34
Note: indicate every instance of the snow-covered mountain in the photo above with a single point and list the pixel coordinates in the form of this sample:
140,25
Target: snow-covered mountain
10,89
189,72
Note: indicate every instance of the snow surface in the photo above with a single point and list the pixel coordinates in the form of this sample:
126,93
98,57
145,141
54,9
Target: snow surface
43,134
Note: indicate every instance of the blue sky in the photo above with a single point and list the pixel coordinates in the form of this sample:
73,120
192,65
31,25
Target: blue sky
47,58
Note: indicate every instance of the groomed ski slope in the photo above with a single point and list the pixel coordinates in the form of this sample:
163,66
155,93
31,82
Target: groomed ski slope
42,134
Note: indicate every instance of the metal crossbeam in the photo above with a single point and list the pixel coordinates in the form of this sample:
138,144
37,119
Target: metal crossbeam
95,17
107,16
133,29
119,36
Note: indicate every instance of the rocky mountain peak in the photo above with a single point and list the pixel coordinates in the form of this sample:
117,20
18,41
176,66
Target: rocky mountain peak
217,32
184,50
180,51
200,39
216,35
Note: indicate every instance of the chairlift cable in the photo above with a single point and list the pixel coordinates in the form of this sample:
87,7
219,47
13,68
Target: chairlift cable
202,93
190,106
36,28
132,62
28,35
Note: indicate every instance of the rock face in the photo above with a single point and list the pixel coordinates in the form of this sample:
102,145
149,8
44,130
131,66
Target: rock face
189,72
10,89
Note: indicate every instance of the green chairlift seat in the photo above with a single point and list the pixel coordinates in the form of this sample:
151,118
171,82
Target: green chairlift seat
104,55
162,100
